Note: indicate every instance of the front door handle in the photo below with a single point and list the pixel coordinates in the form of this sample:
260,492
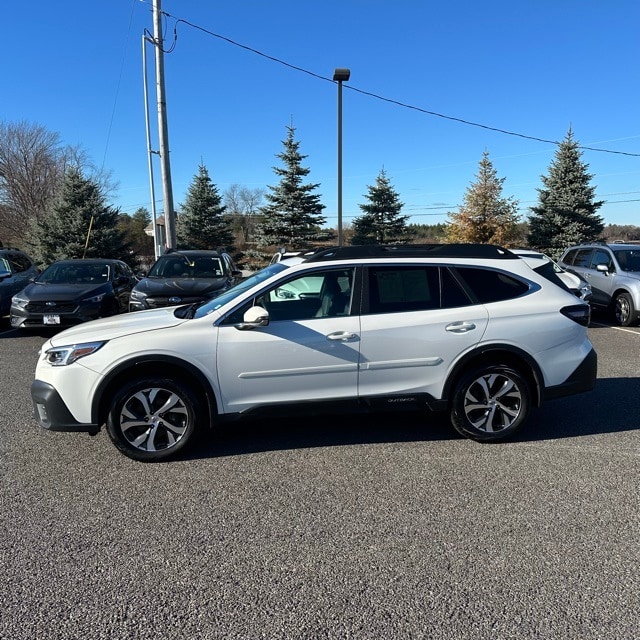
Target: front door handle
341,336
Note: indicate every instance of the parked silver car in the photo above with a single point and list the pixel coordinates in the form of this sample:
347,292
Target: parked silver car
613,271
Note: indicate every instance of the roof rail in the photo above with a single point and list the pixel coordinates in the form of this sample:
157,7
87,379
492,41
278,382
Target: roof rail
461,250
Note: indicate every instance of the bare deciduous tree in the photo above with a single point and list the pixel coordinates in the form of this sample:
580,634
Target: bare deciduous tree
242,205
30,173
33,163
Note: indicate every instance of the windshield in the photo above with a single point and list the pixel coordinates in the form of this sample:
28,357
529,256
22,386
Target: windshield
178,265
240,288
74,273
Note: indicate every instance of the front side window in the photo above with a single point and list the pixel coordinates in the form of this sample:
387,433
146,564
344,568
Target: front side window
601,257
319,294
628,259
20,263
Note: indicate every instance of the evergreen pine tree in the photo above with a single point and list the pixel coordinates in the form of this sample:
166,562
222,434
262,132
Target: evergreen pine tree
381,222
292,216
80,225
201,223
485,215
566,213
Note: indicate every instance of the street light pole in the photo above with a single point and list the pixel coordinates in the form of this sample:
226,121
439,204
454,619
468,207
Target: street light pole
340,76
163,132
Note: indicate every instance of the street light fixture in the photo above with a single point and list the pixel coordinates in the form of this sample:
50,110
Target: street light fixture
340,76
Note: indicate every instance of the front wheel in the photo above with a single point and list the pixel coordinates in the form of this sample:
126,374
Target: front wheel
490,403
624,310
152,419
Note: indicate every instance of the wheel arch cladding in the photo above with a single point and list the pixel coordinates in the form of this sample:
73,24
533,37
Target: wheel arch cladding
498,354
153,366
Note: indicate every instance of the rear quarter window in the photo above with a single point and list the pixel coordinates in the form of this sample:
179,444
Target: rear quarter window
488,285
570,257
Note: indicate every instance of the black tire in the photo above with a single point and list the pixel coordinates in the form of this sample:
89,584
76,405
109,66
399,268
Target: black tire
490,403
623,311
153,419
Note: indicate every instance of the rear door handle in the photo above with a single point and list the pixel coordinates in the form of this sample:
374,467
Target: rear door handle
460,327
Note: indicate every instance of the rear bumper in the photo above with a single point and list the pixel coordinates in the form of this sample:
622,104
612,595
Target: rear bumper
52,413
581,380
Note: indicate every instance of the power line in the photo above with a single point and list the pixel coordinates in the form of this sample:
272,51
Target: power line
375,95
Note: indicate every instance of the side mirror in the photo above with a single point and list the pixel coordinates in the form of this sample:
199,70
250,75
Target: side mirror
602,268
253,318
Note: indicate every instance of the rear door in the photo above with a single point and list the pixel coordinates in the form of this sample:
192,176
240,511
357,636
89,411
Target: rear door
416,322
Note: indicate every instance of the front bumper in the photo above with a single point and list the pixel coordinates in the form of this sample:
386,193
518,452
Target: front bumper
52,413
22,319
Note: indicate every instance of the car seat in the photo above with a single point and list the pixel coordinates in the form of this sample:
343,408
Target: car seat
334,302
179,269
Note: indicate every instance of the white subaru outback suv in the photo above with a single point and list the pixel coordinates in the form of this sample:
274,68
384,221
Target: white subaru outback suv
470,330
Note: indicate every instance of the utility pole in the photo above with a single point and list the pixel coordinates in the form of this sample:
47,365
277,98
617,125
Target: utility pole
163,134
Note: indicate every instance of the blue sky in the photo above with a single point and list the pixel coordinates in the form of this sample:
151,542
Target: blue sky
240,72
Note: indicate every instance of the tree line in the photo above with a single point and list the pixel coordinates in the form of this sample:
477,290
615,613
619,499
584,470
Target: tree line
54,204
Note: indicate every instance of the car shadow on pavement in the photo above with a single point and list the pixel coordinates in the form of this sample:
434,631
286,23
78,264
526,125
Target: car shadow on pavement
613,406
272,434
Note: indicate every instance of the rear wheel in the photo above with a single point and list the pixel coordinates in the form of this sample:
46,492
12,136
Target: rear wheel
624,311
490,403
153,419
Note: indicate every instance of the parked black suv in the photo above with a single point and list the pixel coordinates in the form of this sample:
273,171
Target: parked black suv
613,271
16,270
184,277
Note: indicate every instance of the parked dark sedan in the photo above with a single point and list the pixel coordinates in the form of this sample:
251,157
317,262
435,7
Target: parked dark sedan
185,277
69,292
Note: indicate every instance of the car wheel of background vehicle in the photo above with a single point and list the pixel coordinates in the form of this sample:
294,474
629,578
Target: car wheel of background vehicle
490,403
624,311
152,419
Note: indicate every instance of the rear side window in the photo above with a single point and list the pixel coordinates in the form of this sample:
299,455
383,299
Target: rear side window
395,289
488,285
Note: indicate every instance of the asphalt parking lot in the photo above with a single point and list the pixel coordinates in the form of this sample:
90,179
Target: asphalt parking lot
342,530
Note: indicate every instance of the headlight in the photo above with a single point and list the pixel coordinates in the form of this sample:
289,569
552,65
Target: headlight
62,356
19,301
136,295
95,299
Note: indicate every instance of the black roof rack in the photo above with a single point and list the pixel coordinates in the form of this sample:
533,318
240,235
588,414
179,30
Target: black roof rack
461,250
